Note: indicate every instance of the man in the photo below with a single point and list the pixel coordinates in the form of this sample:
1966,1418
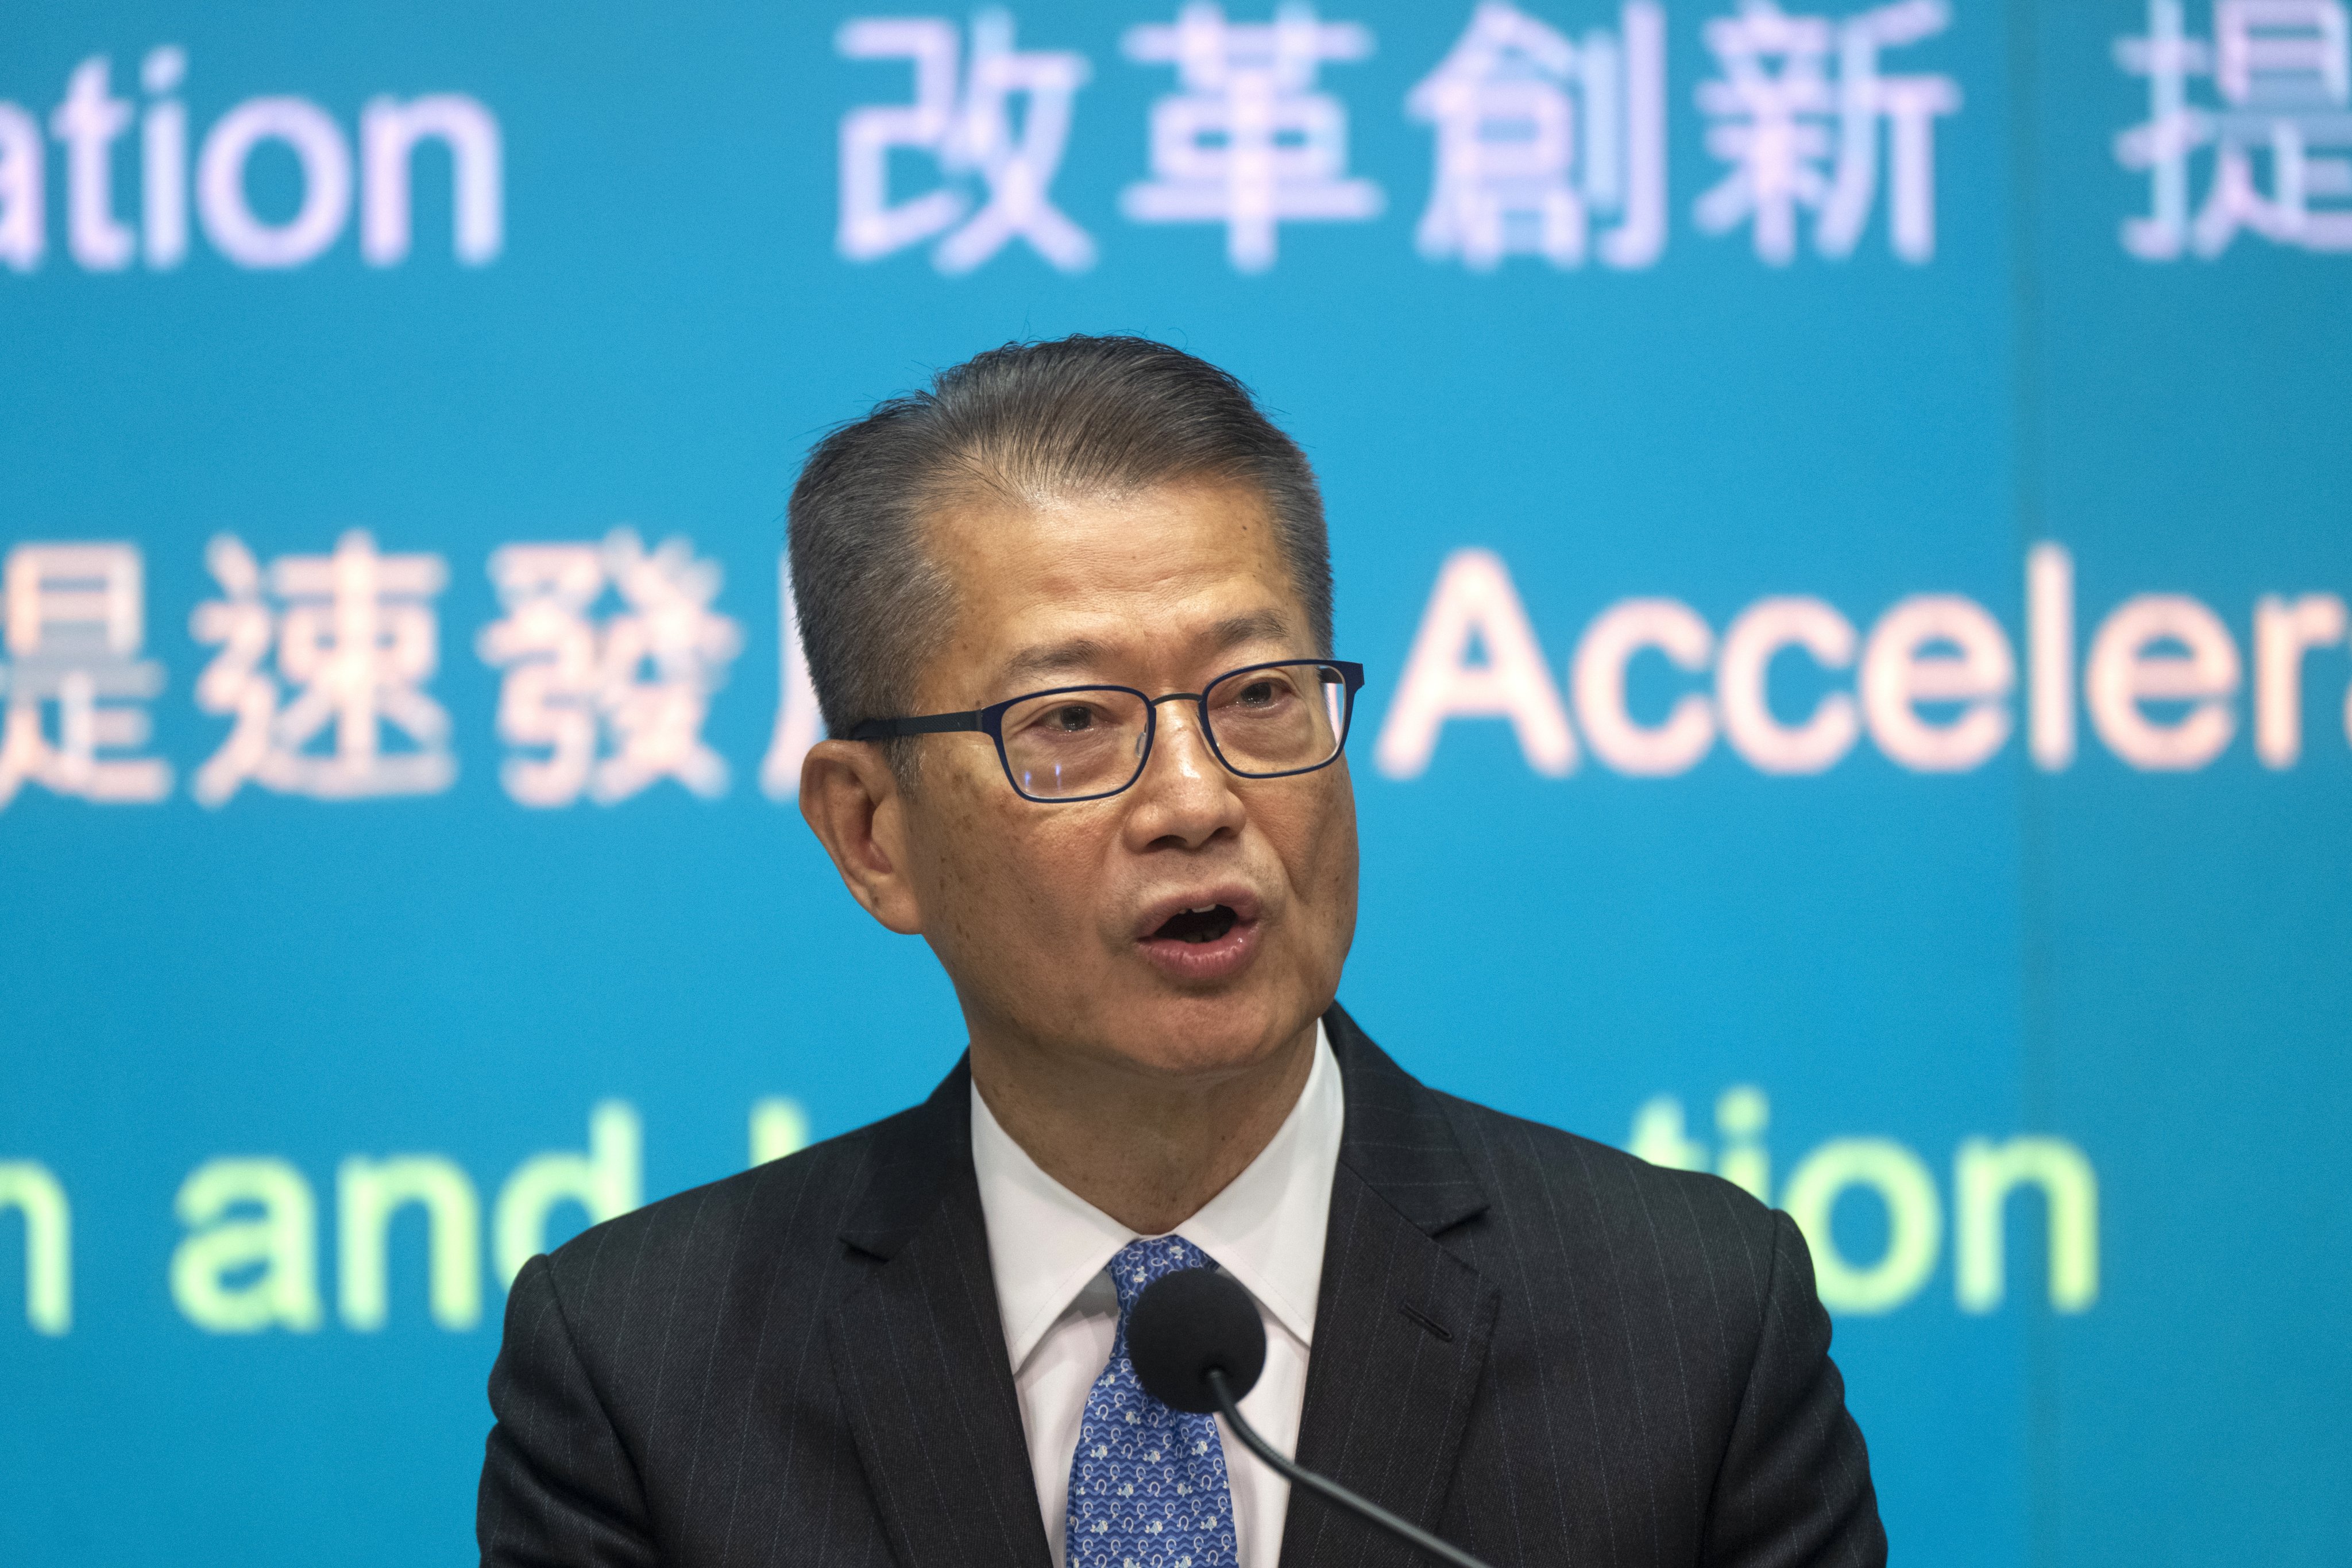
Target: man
1068,614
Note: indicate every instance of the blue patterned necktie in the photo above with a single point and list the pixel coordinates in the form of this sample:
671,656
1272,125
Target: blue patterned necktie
1148,1485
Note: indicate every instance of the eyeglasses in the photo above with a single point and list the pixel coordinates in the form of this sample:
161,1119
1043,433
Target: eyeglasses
1084,742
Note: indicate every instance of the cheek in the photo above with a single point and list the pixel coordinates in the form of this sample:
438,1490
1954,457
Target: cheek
1317,843
1011,886
1340,866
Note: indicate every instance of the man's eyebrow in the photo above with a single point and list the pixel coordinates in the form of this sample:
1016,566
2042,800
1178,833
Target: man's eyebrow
1259,626
1077,654
1086,655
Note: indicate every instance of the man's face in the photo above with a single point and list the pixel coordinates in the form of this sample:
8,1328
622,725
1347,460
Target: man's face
1064,926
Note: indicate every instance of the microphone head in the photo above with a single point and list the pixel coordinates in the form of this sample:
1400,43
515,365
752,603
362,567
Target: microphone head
1187,1324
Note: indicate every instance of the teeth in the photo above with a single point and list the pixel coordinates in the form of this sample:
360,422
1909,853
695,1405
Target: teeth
1203,910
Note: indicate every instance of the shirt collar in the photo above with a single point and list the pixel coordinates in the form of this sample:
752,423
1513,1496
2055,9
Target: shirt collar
1046,1244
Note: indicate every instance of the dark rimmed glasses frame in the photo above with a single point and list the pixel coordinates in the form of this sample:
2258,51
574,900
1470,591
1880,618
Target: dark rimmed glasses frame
989,721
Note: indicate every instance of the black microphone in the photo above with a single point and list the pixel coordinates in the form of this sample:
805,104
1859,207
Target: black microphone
1198,1346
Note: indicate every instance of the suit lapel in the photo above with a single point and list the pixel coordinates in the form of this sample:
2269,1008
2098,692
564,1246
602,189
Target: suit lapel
1402,1324
920,1354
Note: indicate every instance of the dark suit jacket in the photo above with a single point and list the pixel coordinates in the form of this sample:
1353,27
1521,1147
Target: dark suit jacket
1540,1348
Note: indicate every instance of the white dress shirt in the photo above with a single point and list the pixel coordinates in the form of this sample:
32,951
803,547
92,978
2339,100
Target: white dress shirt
1047,1248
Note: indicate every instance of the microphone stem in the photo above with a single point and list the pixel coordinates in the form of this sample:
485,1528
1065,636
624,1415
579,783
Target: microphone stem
1363,1508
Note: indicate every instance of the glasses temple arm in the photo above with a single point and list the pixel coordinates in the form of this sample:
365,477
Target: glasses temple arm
924,724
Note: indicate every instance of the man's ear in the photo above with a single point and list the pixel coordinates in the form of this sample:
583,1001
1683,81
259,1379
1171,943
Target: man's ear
852,802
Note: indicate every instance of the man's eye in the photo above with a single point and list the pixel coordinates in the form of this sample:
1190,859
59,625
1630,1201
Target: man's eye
1257,693
1072,719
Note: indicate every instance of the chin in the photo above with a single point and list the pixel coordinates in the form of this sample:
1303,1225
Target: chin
1192,1035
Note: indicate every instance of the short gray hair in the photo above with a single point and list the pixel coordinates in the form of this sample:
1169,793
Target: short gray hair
1077,415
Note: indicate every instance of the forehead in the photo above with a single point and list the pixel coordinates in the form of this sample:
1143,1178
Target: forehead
1159,572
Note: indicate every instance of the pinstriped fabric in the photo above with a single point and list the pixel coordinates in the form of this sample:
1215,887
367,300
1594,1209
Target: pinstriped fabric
1401,1343
929,1398
1658,1389
664,1388
1536,1345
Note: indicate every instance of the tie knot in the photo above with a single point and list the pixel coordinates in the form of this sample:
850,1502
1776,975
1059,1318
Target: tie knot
1139,1263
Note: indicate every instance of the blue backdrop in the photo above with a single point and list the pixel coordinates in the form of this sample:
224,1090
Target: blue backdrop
1843,508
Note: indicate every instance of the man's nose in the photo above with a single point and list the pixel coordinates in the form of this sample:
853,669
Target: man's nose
1185,794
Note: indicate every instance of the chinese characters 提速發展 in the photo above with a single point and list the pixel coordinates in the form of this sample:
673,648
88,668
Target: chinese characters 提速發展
607,704
323,666
2281,80
73,683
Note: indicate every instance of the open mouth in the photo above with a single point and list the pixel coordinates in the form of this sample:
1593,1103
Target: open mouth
1211,941
1202,925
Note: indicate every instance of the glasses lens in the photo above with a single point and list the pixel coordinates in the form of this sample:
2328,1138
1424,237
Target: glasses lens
1280,719
1071,743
